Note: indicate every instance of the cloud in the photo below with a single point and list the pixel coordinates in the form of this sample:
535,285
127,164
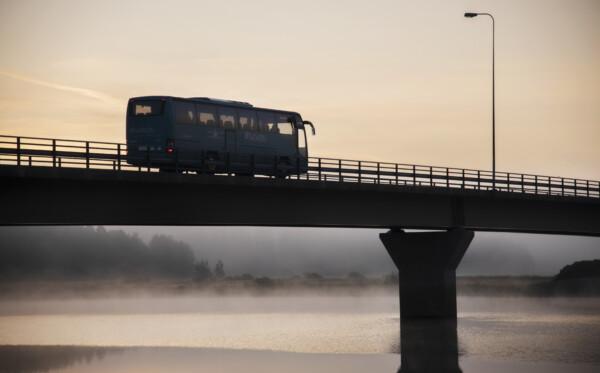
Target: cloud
84,92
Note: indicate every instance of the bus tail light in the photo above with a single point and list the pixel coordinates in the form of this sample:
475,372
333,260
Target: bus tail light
170,147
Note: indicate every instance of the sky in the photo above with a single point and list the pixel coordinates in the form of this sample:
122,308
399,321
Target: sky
398,81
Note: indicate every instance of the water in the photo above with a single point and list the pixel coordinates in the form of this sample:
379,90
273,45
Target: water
286,333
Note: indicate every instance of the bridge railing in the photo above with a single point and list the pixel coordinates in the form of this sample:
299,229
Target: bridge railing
48,152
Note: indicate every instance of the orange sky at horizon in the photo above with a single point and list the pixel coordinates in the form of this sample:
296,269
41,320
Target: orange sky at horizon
386,80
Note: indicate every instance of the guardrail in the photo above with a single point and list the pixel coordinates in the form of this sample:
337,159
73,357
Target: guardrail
47,152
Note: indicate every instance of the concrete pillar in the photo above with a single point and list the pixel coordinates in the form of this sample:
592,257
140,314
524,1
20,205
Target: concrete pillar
427,263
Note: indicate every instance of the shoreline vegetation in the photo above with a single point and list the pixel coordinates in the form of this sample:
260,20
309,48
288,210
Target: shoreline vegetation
310,284
88,261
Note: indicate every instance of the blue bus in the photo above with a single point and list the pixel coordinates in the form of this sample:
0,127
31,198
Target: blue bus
212,136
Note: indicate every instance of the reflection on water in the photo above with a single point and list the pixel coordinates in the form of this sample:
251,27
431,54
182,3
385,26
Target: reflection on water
429,345
31,359
323,333
190,360
183,360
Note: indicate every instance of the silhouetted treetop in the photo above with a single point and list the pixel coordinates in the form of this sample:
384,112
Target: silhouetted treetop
87,252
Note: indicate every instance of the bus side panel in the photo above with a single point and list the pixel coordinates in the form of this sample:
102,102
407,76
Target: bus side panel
192,141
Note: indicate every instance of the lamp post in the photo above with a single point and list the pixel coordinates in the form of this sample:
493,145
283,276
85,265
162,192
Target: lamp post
472,15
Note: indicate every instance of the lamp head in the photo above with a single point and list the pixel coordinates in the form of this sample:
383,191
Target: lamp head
470,15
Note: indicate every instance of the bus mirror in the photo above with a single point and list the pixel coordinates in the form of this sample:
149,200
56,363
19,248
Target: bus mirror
307,123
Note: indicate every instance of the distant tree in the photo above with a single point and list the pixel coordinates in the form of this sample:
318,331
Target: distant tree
169,258
580,269
264,282
219,269
76,253
356,277
202,271
313,276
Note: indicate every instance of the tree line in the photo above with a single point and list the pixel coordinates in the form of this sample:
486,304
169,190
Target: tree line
40,253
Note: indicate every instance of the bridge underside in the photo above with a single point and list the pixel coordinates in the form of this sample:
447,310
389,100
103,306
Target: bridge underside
58,196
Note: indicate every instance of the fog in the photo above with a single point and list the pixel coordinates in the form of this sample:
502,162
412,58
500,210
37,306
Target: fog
337,251
275,252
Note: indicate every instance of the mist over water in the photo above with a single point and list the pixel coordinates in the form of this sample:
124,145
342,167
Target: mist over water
537,332
94,300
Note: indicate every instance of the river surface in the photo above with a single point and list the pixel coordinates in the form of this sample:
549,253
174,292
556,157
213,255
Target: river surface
286,333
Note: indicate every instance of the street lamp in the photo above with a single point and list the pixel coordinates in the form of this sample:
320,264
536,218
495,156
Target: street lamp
472,15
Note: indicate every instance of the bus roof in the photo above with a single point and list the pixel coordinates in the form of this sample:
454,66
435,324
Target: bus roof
213,101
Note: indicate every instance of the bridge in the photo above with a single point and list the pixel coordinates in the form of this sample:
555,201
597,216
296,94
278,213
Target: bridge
52,181
55,182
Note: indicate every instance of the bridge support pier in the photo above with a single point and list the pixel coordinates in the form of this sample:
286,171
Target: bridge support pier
427,263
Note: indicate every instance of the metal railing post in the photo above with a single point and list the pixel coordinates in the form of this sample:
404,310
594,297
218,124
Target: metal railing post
29,161
536,184
378,173
396,166
414,175
463,179
587,187
18,151
319,164
430,176
53,153
447,178
522,184
562,186
87,154
359,172
478,180
119,157
59,162
340,170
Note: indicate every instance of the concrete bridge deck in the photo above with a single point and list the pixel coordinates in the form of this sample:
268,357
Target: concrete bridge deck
47,195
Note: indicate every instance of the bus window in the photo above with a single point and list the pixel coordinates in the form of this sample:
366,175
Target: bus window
248,120
266,121
207,115
227,118
284,125
185,113
146,108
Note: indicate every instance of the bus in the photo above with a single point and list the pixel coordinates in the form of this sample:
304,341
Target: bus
212,136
